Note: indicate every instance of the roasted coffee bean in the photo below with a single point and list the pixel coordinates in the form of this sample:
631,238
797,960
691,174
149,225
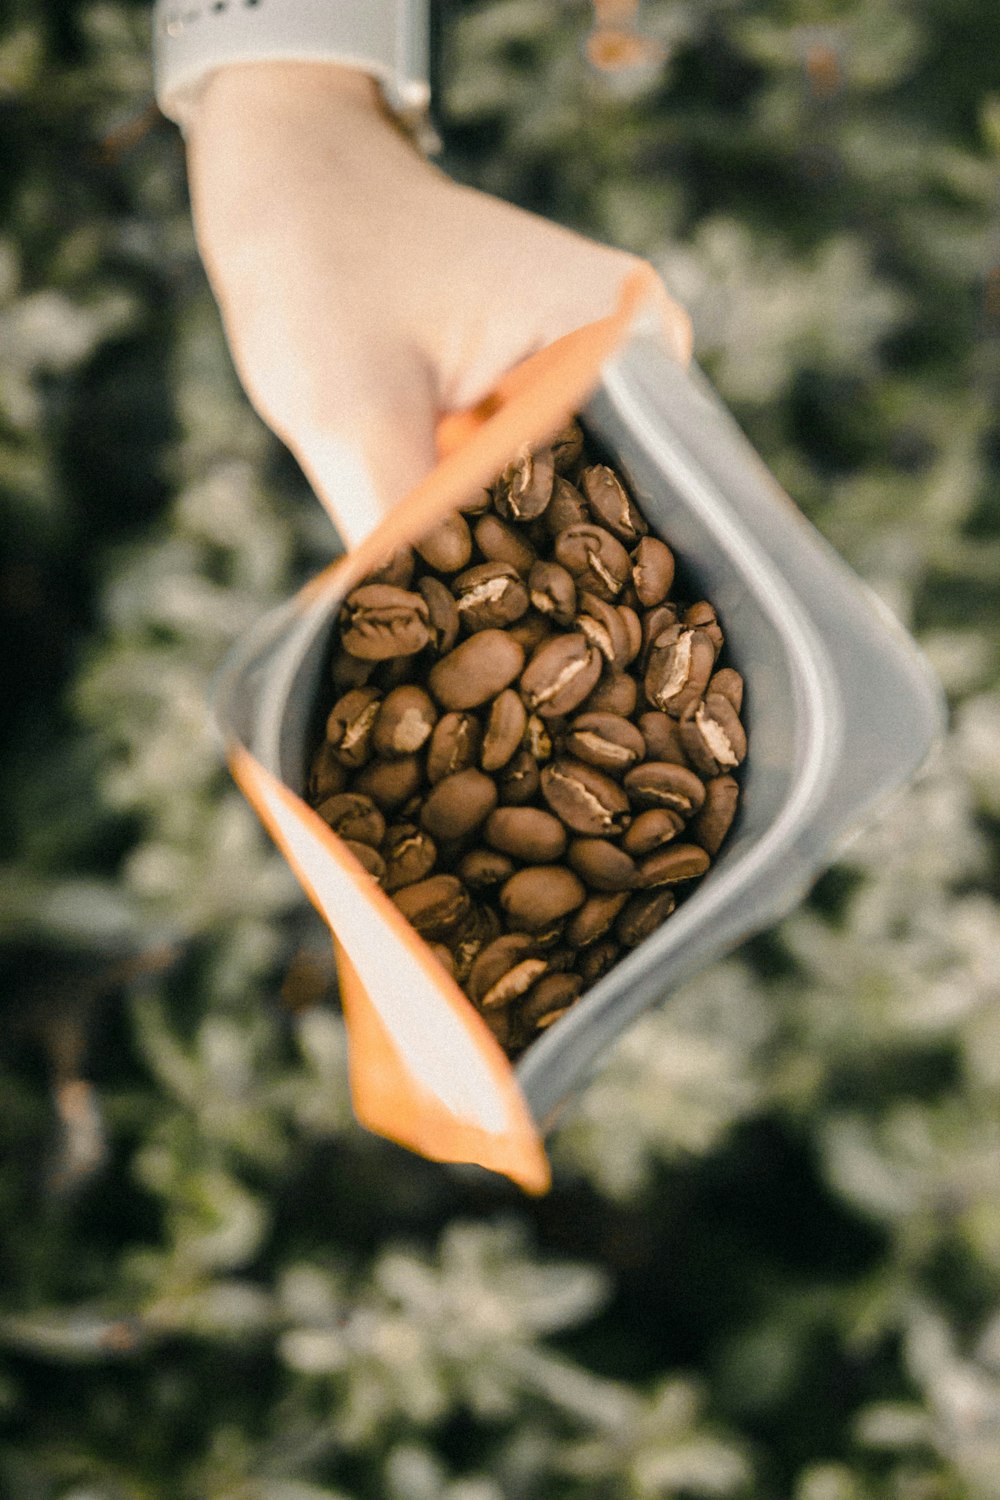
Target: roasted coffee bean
535,898
642,915
714,820
654,623
350,725
595,918
443,612
553,592
651,829
347,671
490,596
680,664
594,962
352,815
499,542
672,865
560,675
610,504
396,570
659,783
566,508
567,447
480,928
604,626
713,736
652,571
728,684
615,693
519,781
326,775
504,730
405,721
525,487
390,783
538,737
454,746
478,503
369,858
703,617
662,736
448,547
458,804
530,631
549,998
409,853
606,741
436,907
597,561
379,621
482,868
633,631
528,833
603,865
476,670
506,955
584,798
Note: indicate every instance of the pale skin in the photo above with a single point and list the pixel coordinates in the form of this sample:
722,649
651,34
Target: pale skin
365,294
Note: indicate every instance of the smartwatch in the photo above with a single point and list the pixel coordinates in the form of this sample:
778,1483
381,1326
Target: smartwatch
388,39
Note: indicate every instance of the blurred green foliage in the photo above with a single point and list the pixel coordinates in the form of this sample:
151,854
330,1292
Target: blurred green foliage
770,1266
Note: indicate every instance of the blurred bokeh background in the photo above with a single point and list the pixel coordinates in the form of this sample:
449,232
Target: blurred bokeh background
770,1266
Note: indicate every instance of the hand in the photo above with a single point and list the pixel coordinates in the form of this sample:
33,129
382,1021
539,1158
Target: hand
363,293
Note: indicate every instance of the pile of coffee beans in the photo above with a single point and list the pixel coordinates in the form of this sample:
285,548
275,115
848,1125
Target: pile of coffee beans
532,743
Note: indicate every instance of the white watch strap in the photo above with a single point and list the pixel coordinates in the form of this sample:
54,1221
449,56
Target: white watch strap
389,39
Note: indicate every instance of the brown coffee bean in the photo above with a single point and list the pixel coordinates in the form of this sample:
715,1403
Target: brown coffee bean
482,868
606,741
490,596
728,684
567,447
525,487
458,804
712,824
584,798
409,855
713,736
603,865
405,721
566,508
652,571
610,504
535,898
368,857
538,737
476,670
390,783
530,631
553,592
443,612
597,561
350,725
662,736
447,547
397,569
347,671
478,503
499,542
379,621
518,781
436,908
528,833
505,955
633,631
659,783
595,918
560,675
642,915
454,746
549,998
326,775
480,928
673,864
504,730
655,826
604,626
654,622
354,816
615,693
680,664
594,962
703,617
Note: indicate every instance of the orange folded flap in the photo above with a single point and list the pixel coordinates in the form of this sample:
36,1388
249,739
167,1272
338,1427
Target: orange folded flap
424,1068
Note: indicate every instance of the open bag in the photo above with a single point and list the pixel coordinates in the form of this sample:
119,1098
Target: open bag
840,710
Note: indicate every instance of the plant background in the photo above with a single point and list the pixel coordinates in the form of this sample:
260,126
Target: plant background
770,1265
